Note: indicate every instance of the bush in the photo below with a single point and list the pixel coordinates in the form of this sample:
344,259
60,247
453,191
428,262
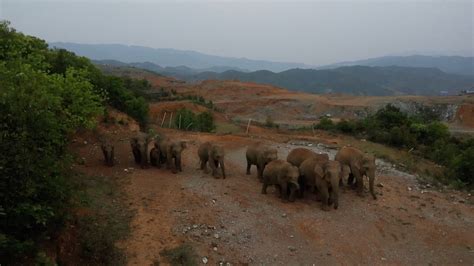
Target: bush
186,120
325,124
39,110
422,132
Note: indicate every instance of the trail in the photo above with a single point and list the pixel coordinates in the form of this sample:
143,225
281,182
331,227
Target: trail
229,220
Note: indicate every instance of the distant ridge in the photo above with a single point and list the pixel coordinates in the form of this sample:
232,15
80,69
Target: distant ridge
450,64
171,57
356,80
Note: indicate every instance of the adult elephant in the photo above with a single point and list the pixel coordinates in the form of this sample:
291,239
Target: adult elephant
170,152
299,155
214,155
359,164
260,155
139,144
283,175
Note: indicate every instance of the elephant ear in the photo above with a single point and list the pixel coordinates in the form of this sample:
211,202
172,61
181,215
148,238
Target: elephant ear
284,171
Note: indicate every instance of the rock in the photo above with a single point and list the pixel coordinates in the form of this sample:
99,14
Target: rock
409,188
283,215
292,248
291,236
216,236
383,259
85,142
214,248
380,185
195,226
204,260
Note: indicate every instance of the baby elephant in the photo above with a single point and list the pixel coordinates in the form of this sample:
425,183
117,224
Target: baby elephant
260,155
108,151
214,154
327,178
284,176
170,152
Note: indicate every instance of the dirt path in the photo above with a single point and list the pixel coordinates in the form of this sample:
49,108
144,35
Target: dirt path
231,221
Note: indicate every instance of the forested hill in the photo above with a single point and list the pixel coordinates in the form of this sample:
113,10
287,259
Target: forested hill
357,80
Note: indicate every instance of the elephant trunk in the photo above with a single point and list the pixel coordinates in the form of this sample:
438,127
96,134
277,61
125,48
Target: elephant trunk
221,162
294,187
371,176
335,192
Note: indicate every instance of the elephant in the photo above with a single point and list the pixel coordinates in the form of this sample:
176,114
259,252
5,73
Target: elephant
214,154
108,151
139,144
359,164
155,156
155,159
298,155
260,155
170,151
307,178
327,180
283,175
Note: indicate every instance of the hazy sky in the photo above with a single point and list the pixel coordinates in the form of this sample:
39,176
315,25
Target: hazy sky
312,32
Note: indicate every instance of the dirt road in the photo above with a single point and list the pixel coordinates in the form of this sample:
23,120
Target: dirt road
231,221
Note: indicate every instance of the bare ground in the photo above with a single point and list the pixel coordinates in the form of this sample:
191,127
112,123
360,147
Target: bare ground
231,221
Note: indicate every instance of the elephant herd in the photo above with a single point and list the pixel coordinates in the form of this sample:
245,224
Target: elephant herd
302,171
305,170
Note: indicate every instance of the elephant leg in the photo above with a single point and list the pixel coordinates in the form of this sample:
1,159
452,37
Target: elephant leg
350,179
259,172
335,193
359,182
264,188
371,187
293,189
302,183
221,164
248,167
284,190
204,166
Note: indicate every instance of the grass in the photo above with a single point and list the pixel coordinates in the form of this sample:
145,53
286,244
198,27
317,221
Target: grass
181,255
227,128
103,220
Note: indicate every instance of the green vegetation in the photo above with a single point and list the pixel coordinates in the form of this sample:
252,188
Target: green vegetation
106,221
45,96
186,120
423,134
181,255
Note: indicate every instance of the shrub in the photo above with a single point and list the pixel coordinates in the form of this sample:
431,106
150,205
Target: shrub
325,124
39,111
186,120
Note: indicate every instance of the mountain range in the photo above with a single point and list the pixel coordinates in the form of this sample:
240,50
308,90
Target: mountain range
171,57
356,80
198,62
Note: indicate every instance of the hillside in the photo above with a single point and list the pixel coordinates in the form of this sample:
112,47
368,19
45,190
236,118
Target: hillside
170,57
355,80
449,64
